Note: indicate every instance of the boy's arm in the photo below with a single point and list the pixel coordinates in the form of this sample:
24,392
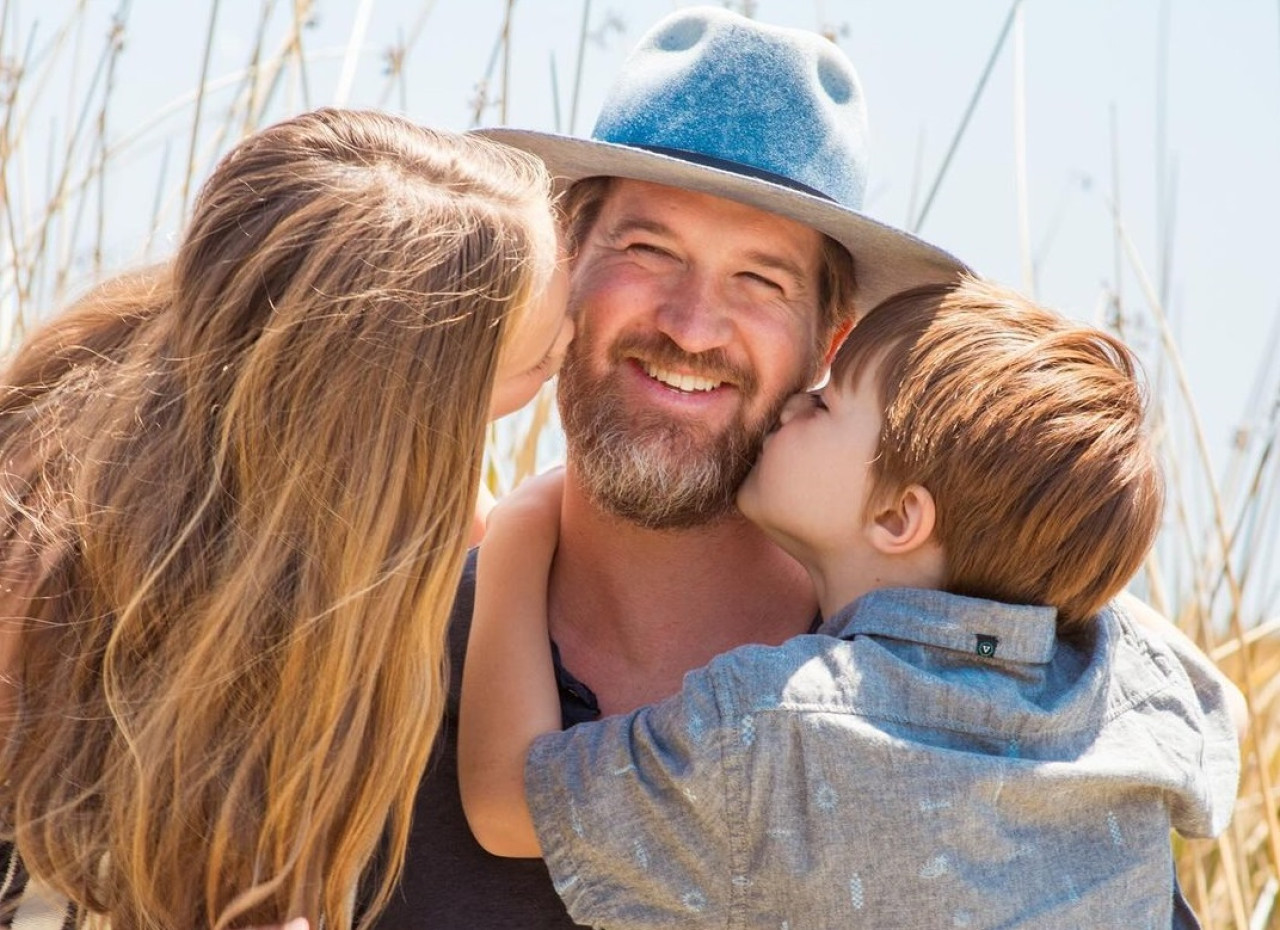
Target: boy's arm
1222,722
509,693
635,815
1158,625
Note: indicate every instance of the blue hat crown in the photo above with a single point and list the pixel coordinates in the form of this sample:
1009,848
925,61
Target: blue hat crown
780,104
716,103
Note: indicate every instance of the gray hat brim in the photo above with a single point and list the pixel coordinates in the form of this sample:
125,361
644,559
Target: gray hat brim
886,260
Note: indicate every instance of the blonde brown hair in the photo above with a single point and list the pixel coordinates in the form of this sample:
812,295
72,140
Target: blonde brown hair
1027,429
236,494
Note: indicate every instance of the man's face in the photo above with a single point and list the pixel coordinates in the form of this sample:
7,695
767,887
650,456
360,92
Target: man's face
697,317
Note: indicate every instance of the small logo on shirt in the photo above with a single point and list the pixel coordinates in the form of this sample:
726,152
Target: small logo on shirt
986,645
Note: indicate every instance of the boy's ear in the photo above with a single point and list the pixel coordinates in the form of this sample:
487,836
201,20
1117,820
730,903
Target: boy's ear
904,522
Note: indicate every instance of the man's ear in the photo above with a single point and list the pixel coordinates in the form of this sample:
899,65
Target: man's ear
904,522
838,337
824,370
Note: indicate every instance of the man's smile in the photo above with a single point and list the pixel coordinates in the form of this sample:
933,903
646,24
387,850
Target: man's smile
687,383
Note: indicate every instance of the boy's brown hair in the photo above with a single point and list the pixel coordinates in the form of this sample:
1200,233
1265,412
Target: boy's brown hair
1027,429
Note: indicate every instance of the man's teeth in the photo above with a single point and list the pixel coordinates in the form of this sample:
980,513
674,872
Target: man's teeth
687,383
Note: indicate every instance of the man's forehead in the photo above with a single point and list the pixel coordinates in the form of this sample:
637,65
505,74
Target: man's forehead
630,193
660,208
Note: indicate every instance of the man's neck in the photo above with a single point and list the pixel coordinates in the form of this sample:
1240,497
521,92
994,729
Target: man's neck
632,610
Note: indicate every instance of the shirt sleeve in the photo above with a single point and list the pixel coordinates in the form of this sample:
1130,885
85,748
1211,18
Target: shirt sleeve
631,813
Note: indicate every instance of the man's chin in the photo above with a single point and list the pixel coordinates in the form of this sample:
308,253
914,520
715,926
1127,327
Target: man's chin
650,468
654,486
652,503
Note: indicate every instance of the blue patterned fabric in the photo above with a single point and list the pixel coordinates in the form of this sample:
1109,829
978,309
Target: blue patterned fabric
929,761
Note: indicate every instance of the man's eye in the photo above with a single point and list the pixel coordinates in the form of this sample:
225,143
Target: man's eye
767,282
646,248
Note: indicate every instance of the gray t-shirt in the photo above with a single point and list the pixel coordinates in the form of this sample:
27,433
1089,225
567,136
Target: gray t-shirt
932,761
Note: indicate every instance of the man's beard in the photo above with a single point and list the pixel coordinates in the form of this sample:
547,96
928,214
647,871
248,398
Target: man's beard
655,470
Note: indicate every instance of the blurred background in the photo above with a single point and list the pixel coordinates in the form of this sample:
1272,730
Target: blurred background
1118,160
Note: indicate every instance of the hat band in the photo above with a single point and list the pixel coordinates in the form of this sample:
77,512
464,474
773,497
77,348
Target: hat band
734,167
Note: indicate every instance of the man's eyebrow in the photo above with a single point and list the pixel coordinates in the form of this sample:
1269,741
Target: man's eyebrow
772,260
630,224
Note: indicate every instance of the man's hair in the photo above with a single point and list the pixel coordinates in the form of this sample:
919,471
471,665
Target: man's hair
836,284
1028,430
232,506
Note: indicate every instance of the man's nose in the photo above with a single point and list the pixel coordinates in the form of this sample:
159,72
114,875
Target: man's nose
695,316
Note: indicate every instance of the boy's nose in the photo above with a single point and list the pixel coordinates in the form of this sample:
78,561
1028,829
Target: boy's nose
795,404
568,329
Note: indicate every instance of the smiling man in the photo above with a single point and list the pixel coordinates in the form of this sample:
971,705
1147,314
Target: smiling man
720,255
699,314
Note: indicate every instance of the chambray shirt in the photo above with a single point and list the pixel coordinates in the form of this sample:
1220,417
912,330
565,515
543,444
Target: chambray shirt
931,761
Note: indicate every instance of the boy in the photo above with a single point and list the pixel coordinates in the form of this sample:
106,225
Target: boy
979,739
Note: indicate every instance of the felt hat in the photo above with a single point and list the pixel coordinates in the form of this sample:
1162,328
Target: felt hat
771,117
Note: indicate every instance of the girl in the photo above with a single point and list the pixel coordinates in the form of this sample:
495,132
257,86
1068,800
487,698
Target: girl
235,493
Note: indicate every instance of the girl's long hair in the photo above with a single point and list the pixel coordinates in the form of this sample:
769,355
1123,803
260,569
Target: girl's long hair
234,498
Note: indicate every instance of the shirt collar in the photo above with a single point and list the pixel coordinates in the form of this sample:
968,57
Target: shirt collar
991,629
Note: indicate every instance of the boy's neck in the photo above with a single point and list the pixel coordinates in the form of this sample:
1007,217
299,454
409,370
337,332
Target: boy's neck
839,579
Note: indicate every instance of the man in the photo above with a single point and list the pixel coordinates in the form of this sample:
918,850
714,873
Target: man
712,278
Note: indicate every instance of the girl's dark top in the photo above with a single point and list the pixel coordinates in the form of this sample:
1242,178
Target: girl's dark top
26,905
449,882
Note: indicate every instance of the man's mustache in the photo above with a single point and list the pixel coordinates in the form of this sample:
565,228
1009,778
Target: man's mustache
661,351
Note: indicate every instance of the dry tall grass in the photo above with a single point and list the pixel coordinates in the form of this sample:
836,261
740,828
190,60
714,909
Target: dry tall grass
71,193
